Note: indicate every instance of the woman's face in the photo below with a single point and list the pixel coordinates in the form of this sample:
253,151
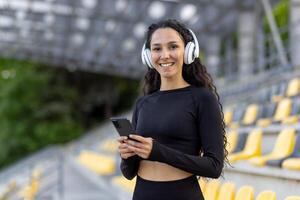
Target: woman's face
167,51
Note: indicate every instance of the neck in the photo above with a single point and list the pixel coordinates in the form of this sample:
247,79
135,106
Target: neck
169,84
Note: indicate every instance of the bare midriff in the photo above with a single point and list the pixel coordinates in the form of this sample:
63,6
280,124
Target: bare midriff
157,171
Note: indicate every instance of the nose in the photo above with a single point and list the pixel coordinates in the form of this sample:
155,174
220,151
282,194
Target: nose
165,54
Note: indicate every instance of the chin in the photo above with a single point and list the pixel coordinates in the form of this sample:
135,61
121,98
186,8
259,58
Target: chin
168,75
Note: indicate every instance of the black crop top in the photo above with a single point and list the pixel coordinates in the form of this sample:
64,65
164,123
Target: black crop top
182,122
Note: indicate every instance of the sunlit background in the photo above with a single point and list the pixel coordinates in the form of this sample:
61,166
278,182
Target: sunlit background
66,66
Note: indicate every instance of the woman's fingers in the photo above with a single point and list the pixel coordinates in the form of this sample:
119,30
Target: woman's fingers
122,139
127,155
142,148
137,137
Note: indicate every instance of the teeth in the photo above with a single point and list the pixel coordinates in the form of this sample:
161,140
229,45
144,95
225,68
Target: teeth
166,64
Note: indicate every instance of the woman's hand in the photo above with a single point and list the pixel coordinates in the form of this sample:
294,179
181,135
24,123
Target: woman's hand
124,151
141,147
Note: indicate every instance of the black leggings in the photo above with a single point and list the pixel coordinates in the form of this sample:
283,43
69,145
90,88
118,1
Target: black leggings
183,189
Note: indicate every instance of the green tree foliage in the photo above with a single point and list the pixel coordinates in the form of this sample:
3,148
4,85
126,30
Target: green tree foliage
281,15
42,105
36,109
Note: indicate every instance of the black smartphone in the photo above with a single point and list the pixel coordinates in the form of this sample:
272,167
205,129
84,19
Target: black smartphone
123,126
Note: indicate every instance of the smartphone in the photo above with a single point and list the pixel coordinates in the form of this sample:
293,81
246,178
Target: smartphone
123,126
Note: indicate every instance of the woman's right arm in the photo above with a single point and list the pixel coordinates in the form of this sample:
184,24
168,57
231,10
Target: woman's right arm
130,165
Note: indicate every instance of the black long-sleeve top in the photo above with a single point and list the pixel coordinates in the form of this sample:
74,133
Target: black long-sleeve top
182,122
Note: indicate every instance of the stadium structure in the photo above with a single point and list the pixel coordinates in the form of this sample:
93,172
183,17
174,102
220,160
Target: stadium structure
253,58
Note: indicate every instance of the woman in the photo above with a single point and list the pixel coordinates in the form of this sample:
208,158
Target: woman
179,121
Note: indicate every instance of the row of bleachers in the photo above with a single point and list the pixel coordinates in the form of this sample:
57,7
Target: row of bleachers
215,190
285,153
263,136
285,111
17,189
272,104
34,177
278,91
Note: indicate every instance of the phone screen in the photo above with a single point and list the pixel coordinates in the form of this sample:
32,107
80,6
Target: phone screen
123,126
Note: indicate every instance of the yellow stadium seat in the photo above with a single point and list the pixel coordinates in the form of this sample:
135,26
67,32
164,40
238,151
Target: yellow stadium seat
291,163
284,146
202,184
264,122
212,190
245,193
9,190
227,191
276,98
234,125
252,148
282,112
293,87
98,163
266,195
283,109
228,116
291,120
292,198
124,183
109,145
250,114
232,138
30,191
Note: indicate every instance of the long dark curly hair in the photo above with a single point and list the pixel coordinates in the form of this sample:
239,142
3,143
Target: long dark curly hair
194,73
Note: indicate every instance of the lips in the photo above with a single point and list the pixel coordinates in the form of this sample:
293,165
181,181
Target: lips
166,64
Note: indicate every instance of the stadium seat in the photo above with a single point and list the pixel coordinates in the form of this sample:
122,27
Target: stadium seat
237,116
98,163
227,191
124,183
8,190
266,112
283,147
283,109
241,141
228,113
266,195
291,163
30,191
252,148
250,115
278,91
292,198
202,184
109,145
245,193
295,113
211,190
232,138
293,87
292,158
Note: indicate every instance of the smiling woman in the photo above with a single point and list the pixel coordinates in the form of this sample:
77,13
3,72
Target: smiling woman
178,121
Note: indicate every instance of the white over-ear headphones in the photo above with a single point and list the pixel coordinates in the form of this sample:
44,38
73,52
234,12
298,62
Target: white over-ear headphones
191,51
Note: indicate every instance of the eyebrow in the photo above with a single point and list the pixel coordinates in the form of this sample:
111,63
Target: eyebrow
171,42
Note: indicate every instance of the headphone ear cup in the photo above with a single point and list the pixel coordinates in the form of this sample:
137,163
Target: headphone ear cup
189,53
147,57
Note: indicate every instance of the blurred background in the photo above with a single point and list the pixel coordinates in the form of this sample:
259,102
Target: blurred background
66,66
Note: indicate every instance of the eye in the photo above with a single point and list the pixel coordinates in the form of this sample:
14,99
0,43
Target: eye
173,46
155,49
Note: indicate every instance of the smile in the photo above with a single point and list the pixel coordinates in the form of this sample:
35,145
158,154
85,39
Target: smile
166,64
